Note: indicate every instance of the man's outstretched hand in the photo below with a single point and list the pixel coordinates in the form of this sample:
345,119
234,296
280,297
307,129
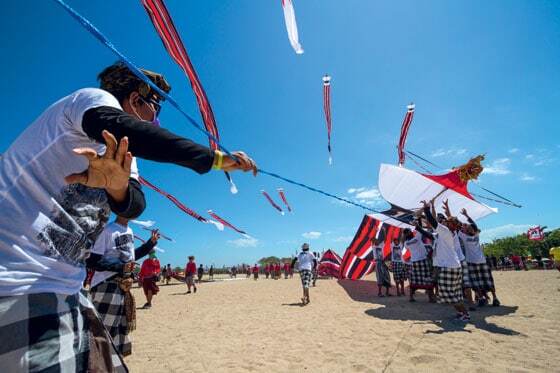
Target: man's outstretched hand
110,171
244,163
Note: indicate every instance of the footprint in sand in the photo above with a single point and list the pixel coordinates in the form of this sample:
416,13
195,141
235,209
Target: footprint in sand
425,359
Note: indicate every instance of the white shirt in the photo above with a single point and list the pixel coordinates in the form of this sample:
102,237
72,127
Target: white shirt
473,251
47,228
416,248
445,254
378,252
396,253
116,241
458,248
305,261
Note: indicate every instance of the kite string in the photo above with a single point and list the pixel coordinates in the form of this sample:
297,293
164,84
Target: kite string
103,39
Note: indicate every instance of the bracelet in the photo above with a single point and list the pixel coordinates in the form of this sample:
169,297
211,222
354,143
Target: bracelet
218,160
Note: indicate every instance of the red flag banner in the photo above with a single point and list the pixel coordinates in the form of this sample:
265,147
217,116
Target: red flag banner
226,223
327,110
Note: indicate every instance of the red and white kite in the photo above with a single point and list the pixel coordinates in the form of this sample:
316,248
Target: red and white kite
407,121
272,203
407,189
166,30
226,223
291,25
327,109
283,196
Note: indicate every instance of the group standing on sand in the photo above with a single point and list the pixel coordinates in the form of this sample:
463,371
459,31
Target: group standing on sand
445,255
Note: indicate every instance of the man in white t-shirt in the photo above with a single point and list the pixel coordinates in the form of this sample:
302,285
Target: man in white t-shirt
450,277
306,263
54,210
421,274
480,273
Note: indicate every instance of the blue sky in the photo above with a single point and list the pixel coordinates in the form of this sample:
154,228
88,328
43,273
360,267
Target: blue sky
484,77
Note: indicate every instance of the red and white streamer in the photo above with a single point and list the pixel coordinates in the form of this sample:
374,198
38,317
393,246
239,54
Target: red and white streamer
407,121
165,27
327,109
291,25
227,224
272,202
180,205
283,196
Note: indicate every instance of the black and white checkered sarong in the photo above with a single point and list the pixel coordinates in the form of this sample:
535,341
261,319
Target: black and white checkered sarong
466,277
421,275
450,281
306,276
481,276
54,333
399,271
108,299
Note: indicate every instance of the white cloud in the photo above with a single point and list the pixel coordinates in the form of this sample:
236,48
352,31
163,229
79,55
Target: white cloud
343,239
529,156
498,167
488,235
527,177
355,190
311,235
513,150
453,152
244,242
372,193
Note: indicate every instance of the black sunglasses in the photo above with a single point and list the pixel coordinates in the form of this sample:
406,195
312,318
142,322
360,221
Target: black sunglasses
156,105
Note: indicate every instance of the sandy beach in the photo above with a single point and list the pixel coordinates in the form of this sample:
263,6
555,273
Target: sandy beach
246,325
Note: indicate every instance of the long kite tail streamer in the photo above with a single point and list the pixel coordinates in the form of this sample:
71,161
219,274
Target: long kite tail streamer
163,23
272,202
291,25
283,197
226,223
178,203
407,121
327,109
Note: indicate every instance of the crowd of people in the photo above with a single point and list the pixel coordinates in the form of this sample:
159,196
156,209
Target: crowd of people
446,260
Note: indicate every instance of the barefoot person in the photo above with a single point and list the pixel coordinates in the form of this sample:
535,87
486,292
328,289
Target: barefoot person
149,276
60,179
479,271
399,269
421,275
306,261
450,277
110,291
190,272
381,271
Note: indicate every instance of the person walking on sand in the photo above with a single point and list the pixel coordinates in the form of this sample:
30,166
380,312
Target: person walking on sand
190,272
255,272
149,275
211,273
200,273
399,269
306,261
286,270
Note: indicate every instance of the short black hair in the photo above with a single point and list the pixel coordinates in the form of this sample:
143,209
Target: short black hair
120,81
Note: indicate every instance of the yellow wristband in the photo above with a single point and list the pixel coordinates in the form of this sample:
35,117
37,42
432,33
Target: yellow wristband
218,160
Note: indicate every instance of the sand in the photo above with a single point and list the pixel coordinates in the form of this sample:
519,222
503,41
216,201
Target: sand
257,326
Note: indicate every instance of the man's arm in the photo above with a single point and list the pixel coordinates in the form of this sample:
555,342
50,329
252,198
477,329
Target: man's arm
134,203
429,216
147,140
423,232
471,222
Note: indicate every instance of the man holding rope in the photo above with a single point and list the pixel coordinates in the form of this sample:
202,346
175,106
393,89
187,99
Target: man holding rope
60,180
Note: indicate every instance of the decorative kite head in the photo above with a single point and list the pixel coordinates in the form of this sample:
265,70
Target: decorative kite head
471,170
326,79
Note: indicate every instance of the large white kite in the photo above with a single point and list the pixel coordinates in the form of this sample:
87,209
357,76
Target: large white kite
407,189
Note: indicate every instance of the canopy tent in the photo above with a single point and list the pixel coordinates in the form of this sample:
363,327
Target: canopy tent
407,188
329,265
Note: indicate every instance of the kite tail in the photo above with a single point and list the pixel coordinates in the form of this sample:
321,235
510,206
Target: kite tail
272,203
232,187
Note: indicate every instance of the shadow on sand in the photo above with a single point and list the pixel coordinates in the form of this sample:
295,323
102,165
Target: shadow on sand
423,312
